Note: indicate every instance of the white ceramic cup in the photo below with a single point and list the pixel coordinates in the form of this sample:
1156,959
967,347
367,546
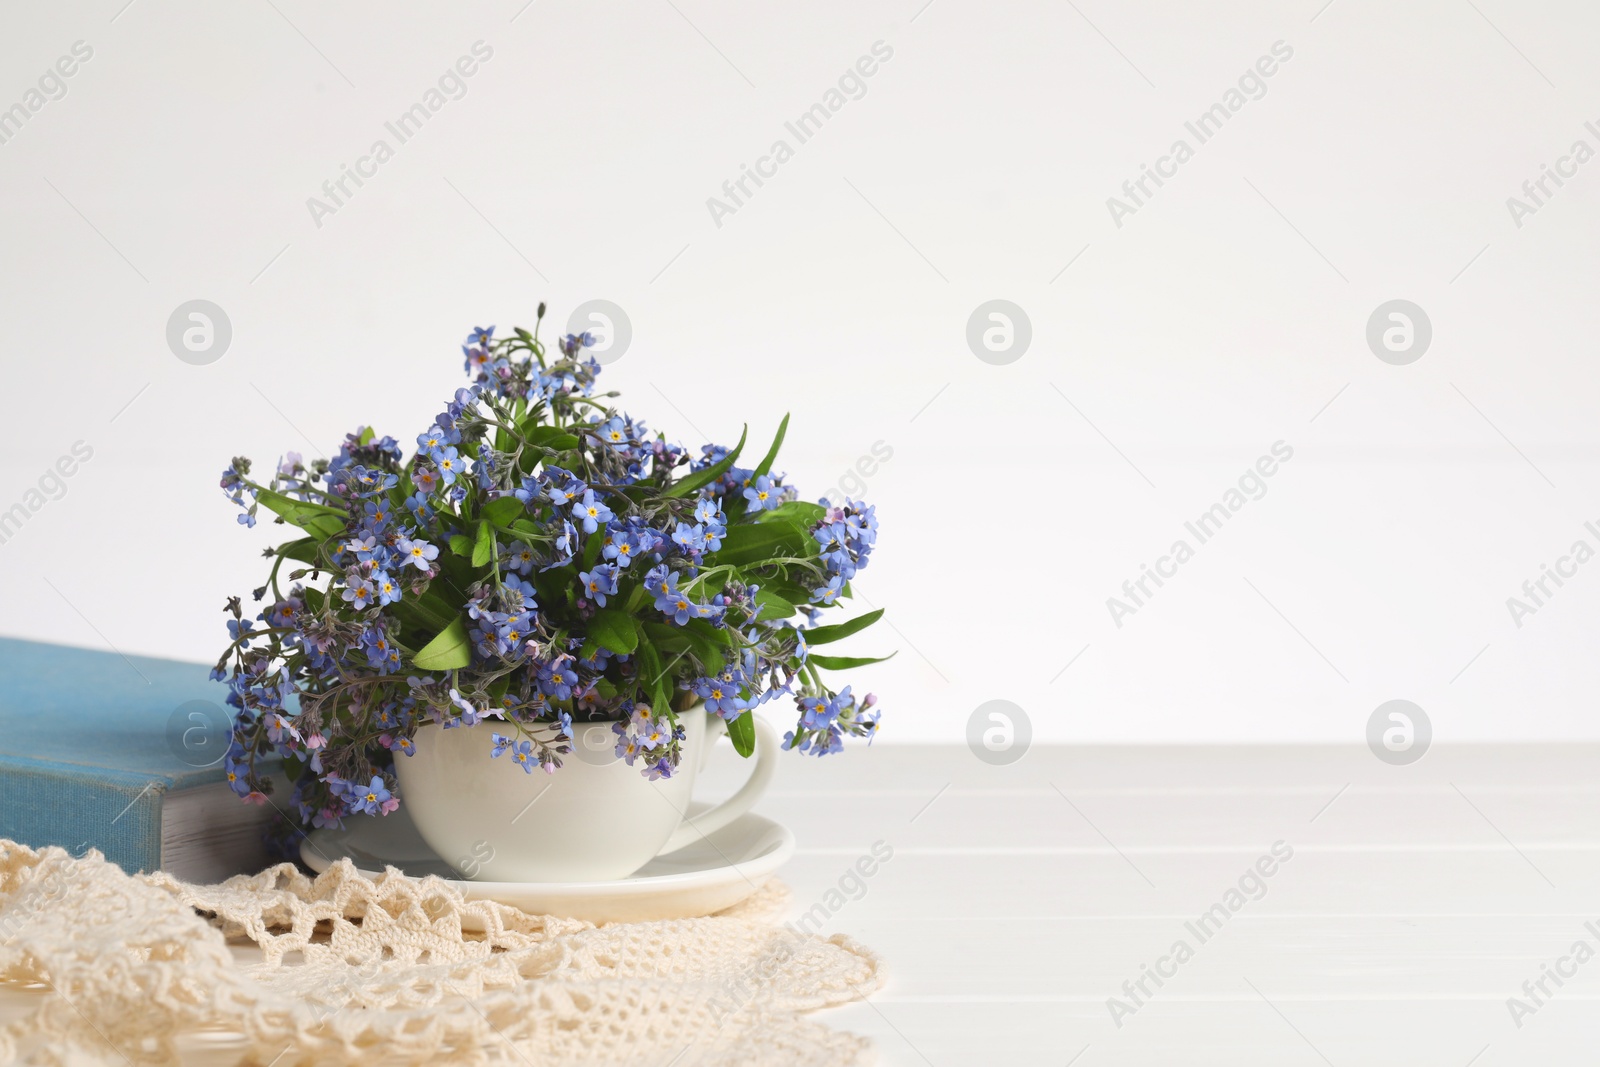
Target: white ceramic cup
594,819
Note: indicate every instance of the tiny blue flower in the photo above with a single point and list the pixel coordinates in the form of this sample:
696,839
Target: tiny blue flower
590,512
364,548
828,593
522,589
369,800
614,432
470,715
720,697
417,504
663,585
566,544
762,494
448,460
376,514
514,630
417,553
621,545
519,558
431,440
690,539
522,753
709,510
387,588
567,491
600,582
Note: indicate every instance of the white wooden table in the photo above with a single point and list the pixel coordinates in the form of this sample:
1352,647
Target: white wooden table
1019,899
1417,901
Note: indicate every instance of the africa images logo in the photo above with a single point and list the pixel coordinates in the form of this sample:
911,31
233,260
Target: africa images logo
1252,85
852,85
451,85
1252,485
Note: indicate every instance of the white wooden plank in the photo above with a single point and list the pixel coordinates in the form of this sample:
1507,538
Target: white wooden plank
922,769
1469,815
1243,1031
1417,900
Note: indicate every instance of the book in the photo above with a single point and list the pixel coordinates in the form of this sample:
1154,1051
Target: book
123,754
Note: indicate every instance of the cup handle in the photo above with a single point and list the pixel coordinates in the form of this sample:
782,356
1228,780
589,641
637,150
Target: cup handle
716,818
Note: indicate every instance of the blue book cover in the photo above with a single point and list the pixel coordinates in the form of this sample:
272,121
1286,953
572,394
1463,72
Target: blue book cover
123,754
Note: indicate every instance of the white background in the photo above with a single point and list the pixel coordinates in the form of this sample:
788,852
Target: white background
1224,316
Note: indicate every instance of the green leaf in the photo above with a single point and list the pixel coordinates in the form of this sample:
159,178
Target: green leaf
451,650
821,635
483,547
303,550
845,663
552,585
649,664
367,434
502,510
771,606
461,544
694,482
551,437
793,592
652,678
710,643
666,638
795,512
614,630
430,611
591,548
748,543
772,453
742,732
318,519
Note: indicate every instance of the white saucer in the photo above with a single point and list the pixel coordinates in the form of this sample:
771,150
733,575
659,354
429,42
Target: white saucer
716,872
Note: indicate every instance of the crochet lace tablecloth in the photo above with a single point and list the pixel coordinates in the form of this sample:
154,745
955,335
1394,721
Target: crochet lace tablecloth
353,971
